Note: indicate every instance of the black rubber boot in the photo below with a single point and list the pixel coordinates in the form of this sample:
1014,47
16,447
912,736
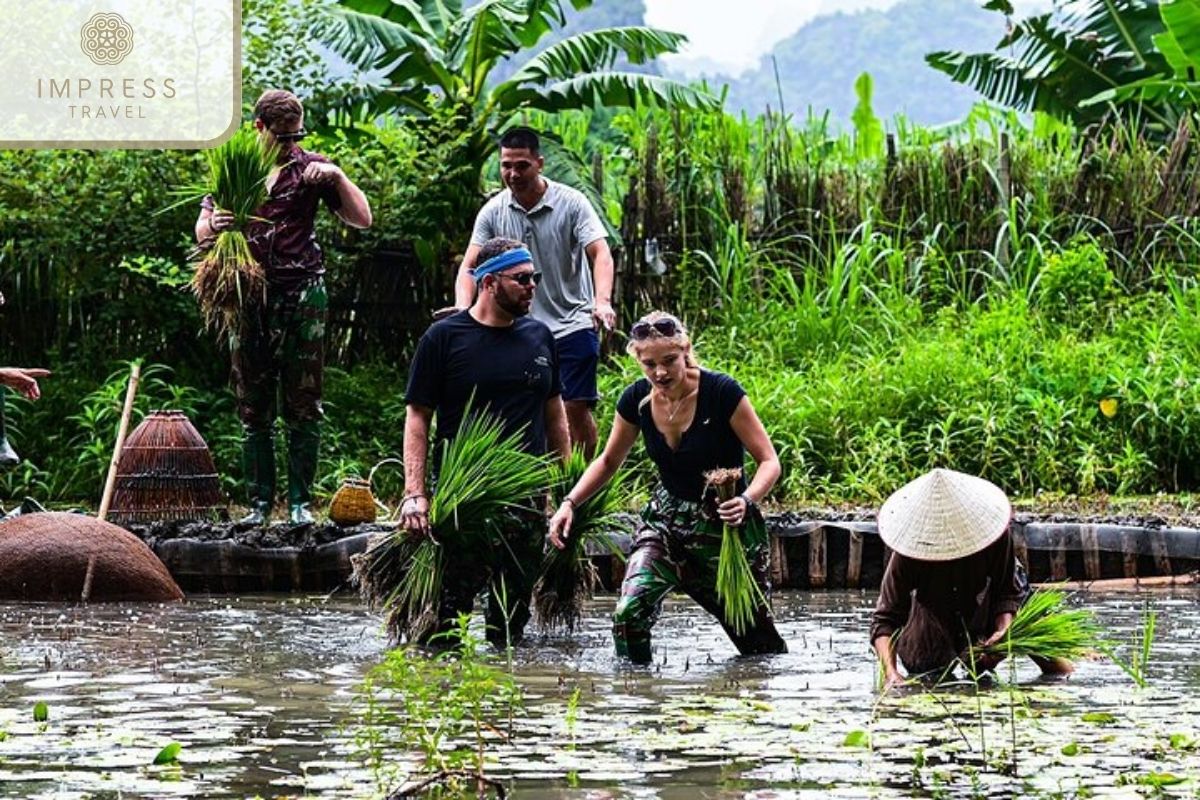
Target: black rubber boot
304,442
258,469
8,456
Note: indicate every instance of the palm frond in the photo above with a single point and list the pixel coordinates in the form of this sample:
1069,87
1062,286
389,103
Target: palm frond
1182,20
1124,28
400,43
593,51
627,89
998,78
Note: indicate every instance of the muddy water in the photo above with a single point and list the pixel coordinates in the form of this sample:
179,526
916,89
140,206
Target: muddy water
259,690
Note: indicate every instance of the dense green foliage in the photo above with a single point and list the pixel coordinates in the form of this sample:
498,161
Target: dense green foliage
965,298
1086,58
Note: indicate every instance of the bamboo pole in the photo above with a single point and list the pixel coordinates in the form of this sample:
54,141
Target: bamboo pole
111,481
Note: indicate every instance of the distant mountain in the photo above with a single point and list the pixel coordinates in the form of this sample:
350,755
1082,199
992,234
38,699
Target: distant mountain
603,14
819,63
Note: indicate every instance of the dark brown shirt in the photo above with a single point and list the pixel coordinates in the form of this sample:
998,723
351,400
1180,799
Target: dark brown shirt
283,240
964,594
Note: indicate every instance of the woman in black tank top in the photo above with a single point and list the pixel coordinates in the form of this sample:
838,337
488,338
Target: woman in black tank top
692,420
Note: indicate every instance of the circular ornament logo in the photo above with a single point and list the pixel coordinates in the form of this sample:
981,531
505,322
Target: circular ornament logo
106,38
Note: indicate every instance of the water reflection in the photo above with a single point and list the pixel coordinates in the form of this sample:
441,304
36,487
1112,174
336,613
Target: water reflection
258,692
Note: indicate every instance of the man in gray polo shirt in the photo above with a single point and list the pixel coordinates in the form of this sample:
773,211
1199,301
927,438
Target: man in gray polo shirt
564,234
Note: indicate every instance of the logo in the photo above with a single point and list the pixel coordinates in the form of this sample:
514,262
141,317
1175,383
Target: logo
118,73
542,361
106,39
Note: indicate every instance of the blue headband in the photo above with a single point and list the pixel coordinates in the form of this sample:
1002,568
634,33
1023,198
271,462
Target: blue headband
509,258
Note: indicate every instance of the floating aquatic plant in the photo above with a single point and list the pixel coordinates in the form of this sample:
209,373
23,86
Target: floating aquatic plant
736,588
568,576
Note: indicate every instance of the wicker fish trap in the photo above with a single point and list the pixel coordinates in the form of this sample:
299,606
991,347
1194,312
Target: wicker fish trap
166,472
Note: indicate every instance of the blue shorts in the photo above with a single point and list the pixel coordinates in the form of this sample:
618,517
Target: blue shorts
578,357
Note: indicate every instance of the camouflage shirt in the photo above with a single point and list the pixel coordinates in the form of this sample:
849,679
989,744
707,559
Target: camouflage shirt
283,239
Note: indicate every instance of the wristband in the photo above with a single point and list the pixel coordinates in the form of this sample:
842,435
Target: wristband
749,503
412,496
568,499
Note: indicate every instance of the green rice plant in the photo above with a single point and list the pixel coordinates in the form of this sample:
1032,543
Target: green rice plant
1135,665
737,590
227,276
568,577
483,476
1045,628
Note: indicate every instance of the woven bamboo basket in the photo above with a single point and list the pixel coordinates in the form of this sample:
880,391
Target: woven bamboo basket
354,502
166,472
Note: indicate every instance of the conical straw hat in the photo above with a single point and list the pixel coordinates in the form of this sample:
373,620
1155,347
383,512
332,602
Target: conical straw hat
944,515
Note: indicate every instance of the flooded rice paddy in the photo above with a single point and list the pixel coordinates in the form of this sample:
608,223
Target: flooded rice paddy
260,694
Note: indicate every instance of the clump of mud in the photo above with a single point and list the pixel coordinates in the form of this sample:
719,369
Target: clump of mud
277,535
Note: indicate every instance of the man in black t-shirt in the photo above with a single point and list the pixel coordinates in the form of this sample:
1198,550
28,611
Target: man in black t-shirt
497,359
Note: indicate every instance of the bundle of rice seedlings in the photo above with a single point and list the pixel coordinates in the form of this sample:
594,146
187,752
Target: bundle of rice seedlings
227,276
736,589
568,577
482,475
1044,627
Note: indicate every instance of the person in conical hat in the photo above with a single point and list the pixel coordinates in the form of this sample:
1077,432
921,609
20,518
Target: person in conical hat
952,575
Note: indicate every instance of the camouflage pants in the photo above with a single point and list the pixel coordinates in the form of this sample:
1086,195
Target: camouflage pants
502,566
282,348
677,547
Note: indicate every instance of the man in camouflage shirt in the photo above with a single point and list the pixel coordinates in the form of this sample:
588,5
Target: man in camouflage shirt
282,345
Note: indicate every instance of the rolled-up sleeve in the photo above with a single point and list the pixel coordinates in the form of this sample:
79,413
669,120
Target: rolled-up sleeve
895,598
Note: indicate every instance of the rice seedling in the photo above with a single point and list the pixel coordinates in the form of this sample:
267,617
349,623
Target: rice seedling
568,576
1045,628
228,278
736,587
1135,665
483,476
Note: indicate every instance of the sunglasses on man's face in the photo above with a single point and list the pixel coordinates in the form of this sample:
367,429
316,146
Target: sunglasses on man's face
666,327
524,278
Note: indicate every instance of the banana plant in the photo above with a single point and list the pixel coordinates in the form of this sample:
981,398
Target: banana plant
428,57
1062,61
1180,46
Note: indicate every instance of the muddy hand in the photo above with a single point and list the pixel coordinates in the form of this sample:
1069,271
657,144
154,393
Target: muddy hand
414,515
560,526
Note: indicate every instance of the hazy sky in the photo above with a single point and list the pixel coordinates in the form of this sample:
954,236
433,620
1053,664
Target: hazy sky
731,35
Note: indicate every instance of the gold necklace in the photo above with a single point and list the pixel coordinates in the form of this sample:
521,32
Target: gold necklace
678,404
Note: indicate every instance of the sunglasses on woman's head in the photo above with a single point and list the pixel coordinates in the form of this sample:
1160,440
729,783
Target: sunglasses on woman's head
524,278
665,327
